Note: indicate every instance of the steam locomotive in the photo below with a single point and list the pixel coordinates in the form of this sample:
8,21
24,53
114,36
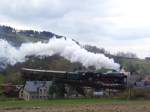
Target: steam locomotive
97,80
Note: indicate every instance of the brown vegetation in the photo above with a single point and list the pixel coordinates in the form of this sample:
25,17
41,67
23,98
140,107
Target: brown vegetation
143,106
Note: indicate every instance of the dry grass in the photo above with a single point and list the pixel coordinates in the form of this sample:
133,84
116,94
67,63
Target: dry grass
128,106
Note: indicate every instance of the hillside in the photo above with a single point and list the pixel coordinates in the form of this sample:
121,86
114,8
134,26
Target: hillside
17,37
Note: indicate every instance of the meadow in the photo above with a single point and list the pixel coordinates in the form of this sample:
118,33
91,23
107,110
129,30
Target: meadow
76,105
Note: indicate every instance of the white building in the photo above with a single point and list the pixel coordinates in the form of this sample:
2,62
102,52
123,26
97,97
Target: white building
35,90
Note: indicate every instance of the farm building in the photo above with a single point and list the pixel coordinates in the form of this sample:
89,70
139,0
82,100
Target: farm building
35,90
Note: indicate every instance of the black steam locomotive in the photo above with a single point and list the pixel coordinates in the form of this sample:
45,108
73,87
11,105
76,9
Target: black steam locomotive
97,80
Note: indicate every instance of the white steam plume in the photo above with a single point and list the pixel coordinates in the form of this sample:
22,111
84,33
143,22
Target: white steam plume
64,47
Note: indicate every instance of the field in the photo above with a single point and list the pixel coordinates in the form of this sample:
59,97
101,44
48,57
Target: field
76,105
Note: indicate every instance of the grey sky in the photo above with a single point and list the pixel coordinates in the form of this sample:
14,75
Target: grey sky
117,25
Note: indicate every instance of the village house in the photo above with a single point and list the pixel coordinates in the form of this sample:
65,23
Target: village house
35,90
145,83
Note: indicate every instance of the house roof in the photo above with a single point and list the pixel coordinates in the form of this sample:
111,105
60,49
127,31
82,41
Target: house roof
33,86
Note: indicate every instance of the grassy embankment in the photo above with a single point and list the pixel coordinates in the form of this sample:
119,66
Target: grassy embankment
41,103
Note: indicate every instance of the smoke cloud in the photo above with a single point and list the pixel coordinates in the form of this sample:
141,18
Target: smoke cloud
66,48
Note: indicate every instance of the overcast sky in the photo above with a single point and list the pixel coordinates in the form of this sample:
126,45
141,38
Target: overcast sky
117,25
